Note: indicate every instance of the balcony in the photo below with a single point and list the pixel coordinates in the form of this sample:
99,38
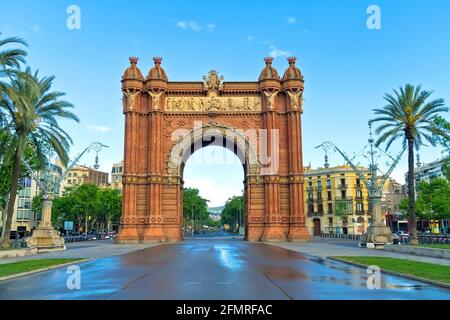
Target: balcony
315,214
345,198
310,188
319,188
343,186
359,186
360,212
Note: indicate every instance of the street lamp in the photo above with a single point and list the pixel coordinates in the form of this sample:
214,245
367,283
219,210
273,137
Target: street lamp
45,238
378,234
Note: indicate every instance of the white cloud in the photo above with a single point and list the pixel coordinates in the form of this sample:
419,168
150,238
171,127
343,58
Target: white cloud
291,20
275,52
97,128
195,26
37,30
250,38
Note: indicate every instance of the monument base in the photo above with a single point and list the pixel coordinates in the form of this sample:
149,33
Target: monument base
46,240
377,236
299,234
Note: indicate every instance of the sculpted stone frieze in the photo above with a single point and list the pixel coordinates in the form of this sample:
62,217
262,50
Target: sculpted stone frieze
213,103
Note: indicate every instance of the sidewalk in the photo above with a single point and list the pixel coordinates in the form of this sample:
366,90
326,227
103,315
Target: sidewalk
326,247
87,250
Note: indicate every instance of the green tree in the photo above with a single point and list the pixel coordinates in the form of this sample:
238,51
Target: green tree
108,208
443,141
33,112
195,208
233,211
433,200
10,61
409,116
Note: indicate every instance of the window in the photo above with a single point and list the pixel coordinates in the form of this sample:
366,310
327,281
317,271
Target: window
359,207
320,208
319,184
310,196
23,214
330,221
358,194
330,208
319,195
328,184
329,195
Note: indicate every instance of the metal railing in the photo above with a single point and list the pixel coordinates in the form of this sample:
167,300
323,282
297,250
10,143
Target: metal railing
340,236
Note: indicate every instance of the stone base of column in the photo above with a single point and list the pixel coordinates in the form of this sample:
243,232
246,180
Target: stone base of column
46,239
377,236
127,235
154,234
273,234
299,234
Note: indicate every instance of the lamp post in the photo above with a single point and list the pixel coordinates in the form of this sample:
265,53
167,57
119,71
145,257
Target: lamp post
45,238
378,234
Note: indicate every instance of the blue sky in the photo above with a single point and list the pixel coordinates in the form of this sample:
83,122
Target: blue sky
347,67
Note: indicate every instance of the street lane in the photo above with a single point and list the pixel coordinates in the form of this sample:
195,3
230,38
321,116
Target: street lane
216,269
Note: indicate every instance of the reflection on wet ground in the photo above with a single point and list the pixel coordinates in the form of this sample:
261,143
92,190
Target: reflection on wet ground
216,269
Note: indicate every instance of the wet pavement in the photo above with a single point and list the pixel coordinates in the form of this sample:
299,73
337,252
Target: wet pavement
216,269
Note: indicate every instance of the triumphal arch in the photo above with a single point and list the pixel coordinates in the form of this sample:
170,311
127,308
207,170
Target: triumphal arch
165,122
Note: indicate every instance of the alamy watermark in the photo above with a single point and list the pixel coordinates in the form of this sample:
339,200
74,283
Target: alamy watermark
374,278
73,21
73,281
252,146
374,19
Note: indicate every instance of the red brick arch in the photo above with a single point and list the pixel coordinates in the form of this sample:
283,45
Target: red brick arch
166,121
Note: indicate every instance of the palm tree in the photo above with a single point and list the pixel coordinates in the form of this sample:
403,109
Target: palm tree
33,112
10,60
410,117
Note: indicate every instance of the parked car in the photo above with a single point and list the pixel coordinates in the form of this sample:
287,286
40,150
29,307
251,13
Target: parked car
403,236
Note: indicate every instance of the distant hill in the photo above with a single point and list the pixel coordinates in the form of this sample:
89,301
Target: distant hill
216,210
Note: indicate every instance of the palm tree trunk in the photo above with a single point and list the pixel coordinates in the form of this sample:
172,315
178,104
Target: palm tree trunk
13,192
412,221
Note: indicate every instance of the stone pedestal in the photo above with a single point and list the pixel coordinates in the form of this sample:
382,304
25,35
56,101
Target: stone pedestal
45,238
378,234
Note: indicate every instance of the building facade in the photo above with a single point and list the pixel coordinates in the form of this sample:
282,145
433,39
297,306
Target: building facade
79,175
393,193
24,217
427,172
336,200
116,176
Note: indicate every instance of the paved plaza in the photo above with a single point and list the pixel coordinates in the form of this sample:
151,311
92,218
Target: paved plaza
216,269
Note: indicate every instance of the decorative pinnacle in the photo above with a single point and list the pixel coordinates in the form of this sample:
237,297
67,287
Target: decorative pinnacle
134,60
292,60
268,60
157,60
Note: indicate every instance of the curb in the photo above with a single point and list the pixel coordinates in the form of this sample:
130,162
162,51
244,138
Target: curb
395,273
24,274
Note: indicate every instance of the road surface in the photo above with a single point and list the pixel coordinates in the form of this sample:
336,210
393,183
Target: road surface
216,269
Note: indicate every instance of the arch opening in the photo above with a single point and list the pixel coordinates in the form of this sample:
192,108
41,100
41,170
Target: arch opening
216,174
